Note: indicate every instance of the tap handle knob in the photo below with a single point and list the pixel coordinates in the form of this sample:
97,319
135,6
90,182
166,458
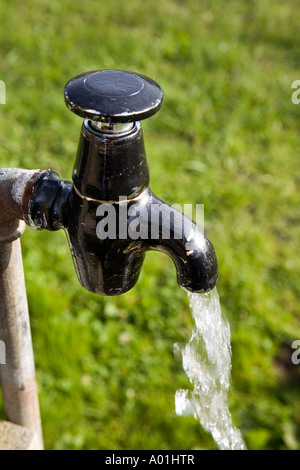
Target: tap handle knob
113,96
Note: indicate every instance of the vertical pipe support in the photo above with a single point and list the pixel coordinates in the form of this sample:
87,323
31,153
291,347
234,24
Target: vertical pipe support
17,375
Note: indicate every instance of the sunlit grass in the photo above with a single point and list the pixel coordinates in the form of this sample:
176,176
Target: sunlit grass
227,136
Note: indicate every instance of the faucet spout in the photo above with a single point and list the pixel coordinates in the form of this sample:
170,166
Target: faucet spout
195,261
192,253
171,232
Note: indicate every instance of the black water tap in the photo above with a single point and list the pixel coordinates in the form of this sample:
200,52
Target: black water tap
109,213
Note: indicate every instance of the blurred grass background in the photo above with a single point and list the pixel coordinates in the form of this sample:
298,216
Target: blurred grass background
227,136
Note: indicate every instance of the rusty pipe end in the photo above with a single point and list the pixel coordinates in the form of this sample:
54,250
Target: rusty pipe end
15,188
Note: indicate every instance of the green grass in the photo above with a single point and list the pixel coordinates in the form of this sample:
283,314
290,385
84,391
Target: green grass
227,136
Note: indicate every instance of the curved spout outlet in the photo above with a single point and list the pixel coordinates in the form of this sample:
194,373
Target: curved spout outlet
188,246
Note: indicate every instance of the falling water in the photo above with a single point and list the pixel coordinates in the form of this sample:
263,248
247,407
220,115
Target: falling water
206,360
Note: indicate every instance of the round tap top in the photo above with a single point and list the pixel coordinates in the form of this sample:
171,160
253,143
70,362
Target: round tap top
113,96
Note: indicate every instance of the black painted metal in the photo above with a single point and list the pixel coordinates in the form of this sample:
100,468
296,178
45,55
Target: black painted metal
113,95
111,266
110,166
47,203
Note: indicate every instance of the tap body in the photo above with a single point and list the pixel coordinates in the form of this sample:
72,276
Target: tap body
112,218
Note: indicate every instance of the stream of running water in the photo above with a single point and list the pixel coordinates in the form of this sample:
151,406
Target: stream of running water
206,360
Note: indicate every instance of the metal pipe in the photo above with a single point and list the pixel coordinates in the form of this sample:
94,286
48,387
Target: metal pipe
17,376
